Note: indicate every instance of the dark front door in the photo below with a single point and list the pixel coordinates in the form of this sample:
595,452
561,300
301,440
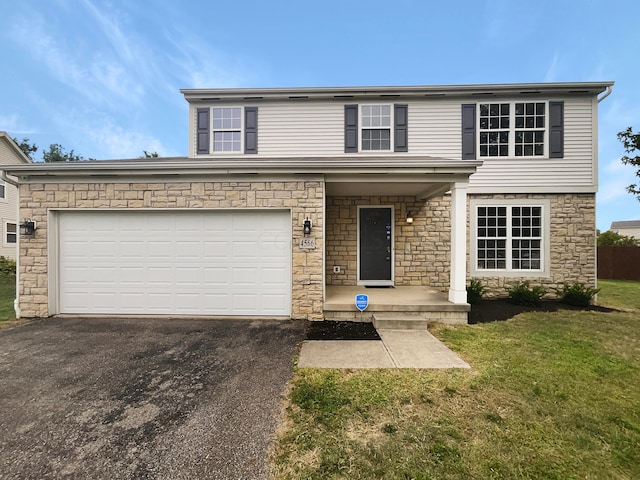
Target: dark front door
375,246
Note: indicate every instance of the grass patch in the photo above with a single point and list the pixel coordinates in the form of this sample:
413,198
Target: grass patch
550,395
7,296
619,294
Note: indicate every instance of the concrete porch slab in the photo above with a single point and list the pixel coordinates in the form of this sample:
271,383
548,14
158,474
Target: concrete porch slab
410,302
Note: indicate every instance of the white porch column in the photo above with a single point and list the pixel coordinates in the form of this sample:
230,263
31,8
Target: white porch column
458,272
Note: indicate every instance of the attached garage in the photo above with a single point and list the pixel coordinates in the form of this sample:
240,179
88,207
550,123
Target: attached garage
171,262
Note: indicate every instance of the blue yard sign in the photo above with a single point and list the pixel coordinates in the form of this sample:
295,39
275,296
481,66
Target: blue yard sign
362,302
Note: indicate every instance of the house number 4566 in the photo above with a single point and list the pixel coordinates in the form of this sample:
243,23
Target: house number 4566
307,243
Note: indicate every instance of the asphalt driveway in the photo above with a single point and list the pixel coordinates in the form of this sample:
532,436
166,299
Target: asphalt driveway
142,398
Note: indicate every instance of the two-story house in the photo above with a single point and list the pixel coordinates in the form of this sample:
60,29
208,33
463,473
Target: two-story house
10,154
292,199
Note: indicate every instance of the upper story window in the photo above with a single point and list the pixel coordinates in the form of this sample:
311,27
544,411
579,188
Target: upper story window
512,129
227,129
376,127
3,190
379,127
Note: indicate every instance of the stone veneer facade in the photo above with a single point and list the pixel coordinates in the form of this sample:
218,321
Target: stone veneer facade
421,249
572,243
303,198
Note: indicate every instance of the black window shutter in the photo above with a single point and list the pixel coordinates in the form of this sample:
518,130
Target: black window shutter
202,130
469,131
400,143
556,129
251,130
350,128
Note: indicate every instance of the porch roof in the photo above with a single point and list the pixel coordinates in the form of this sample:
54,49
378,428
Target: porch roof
345,175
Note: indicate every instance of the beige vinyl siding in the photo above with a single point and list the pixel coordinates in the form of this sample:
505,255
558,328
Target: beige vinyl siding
575,172
307,128
301,129
435,128
8,204
315,128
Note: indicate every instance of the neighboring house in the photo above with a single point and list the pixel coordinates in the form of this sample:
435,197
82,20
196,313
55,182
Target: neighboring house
10,154
289,195
628,228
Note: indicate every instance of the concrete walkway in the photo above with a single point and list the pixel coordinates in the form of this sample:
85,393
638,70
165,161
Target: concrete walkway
398,349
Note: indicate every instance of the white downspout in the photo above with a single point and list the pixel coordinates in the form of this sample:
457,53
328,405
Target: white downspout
606,94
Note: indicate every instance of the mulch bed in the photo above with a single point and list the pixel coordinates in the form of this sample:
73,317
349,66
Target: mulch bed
334,330
500,309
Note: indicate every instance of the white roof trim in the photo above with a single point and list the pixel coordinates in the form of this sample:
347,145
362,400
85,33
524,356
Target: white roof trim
221,166
481,90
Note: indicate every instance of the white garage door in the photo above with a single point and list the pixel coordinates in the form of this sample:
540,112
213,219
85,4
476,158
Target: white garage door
185,263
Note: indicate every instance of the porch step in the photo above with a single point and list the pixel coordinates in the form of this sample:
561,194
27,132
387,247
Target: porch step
399,321
417,320
411,303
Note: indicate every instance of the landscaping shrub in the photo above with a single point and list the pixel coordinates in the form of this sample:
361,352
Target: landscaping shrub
578,294
475,291
524,294
7,266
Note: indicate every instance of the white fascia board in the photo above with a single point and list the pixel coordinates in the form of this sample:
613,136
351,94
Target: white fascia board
183,167
197,95
559,189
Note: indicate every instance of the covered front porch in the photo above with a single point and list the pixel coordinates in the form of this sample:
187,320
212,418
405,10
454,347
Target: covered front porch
393,307
403,228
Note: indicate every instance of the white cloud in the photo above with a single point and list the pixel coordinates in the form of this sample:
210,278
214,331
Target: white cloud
552,71
614,179
119,142
14,125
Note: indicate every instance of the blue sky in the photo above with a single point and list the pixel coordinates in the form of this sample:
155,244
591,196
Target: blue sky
102,77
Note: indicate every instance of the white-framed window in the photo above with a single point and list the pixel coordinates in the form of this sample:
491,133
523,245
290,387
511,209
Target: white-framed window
512,129
10,233
227,129
510,237
375,127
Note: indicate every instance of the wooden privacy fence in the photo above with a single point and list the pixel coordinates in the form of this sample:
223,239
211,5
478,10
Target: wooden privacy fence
619,263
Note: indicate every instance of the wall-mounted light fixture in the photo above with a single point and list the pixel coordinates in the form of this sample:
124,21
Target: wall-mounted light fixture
409,218
28,227
306,226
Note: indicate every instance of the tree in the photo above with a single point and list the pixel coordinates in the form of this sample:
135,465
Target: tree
26,146
614,239
631,142
57,153
150,154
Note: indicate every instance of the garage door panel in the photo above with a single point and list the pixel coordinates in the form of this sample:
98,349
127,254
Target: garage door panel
132,276
217,275
189,262
244,303
131,249
221,249
274,276
216,302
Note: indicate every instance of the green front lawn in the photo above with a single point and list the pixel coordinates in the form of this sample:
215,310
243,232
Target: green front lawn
7,295
550,395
